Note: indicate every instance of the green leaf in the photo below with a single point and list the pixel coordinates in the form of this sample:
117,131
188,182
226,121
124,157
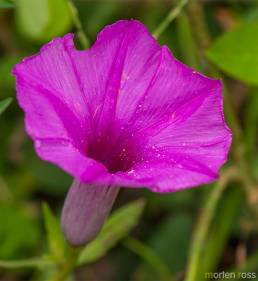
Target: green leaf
60,18
32,17
6,4
171,201
56,242
149,256
235,52
19,232
41,20
4,104
174,234
117,227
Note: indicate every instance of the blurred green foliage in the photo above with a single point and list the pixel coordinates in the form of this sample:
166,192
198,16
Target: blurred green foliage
6,4
116,227
4,104
41,20
19,232
163,236
175,231
236,52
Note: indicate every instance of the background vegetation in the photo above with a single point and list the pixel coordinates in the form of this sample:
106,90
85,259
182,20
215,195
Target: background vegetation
179,236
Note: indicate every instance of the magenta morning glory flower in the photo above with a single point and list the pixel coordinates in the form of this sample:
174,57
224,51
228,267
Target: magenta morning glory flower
124,113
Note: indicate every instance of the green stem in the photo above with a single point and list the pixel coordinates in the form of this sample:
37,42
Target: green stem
147,254
67,268
34,262
186,42
239,147
85,42
239,150
198,23
203,224
174,12
203,39
5,193
220,231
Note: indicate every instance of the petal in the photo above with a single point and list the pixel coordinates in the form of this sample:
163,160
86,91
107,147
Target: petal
173,86
63,153
54,69
119,68
50,77
124,94
48,116
181,129
174,169
74,95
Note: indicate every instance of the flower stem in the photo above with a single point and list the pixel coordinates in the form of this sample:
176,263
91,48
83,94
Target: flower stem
33,262
85,42
204,222
5,193
174,12
68,267
149,256
202,36
188,48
